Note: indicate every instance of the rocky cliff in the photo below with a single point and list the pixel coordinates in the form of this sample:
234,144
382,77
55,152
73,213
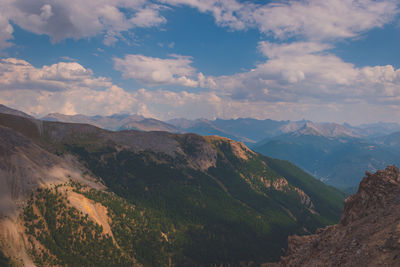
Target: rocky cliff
368,233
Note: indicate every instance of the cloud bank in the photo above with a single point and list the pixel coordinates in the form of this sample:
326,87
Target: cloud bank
299,75
69,88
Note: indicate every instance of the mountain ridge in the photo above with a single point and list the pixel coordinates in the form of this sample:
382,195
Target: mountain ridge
248,130
194,192
8,110
340,162
114,122
367,234
331,142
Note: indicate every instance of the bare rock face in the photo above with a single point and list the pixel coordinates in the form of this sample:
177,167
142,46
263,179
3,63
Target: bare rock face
24,167
368,233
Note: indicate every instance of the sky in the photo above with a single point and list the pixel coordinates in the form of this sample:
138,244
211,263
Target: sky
331,60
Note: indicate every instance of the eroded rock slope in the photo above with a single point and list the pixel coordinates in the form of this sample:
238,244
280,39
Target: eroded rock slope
368,233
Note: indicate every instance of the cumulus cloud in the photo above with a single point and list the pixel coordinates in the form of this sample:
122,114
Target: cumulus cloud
313,19
373,90
70,88
33,90
157,71
382,82
72,101
19,74
306,70
299,75
162,104
319,20
78,19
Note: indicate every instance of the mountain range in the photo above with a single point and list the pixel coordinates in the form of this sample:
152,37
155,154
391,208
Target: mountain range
337,154
75,194
115,122
252,131
247,130
338,161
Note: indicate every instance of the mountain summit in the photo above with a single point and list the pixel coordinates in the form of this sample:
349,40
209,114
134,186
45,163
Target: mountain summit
326,129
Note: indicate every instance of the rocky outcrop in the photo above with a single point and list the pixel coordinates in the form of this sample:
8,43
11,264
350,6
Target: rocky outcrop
368,233
281,184
239,149
305,199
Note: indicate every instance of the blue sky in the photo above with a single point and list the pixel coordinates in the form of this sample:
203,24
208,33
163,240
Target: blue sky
333,60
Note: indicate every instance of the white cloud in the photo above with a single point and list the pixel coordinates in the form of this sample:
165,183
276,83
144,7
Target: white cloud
165,105
319,20
227,13
380,74
153,71
381,82
19,74
371,94
69,88
78,19
313,19
273,50
6,31
297,79
148,17
305,71
71,101
46,12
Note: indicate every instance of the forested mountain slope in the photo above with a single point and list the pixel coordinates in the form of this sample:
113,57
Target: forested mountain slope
169,199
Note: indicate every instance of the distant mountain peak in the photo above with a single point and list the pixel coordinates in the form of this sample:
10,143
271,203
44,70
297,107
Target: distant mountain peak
309,128
326,129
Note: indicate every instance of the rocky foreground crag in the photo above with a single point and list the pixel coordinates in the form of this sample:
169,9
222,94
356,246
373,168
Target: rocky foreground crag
368,233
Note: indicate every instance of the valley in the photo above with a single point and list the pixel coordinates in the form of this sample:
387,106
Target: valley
193,133
186,196
78,195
